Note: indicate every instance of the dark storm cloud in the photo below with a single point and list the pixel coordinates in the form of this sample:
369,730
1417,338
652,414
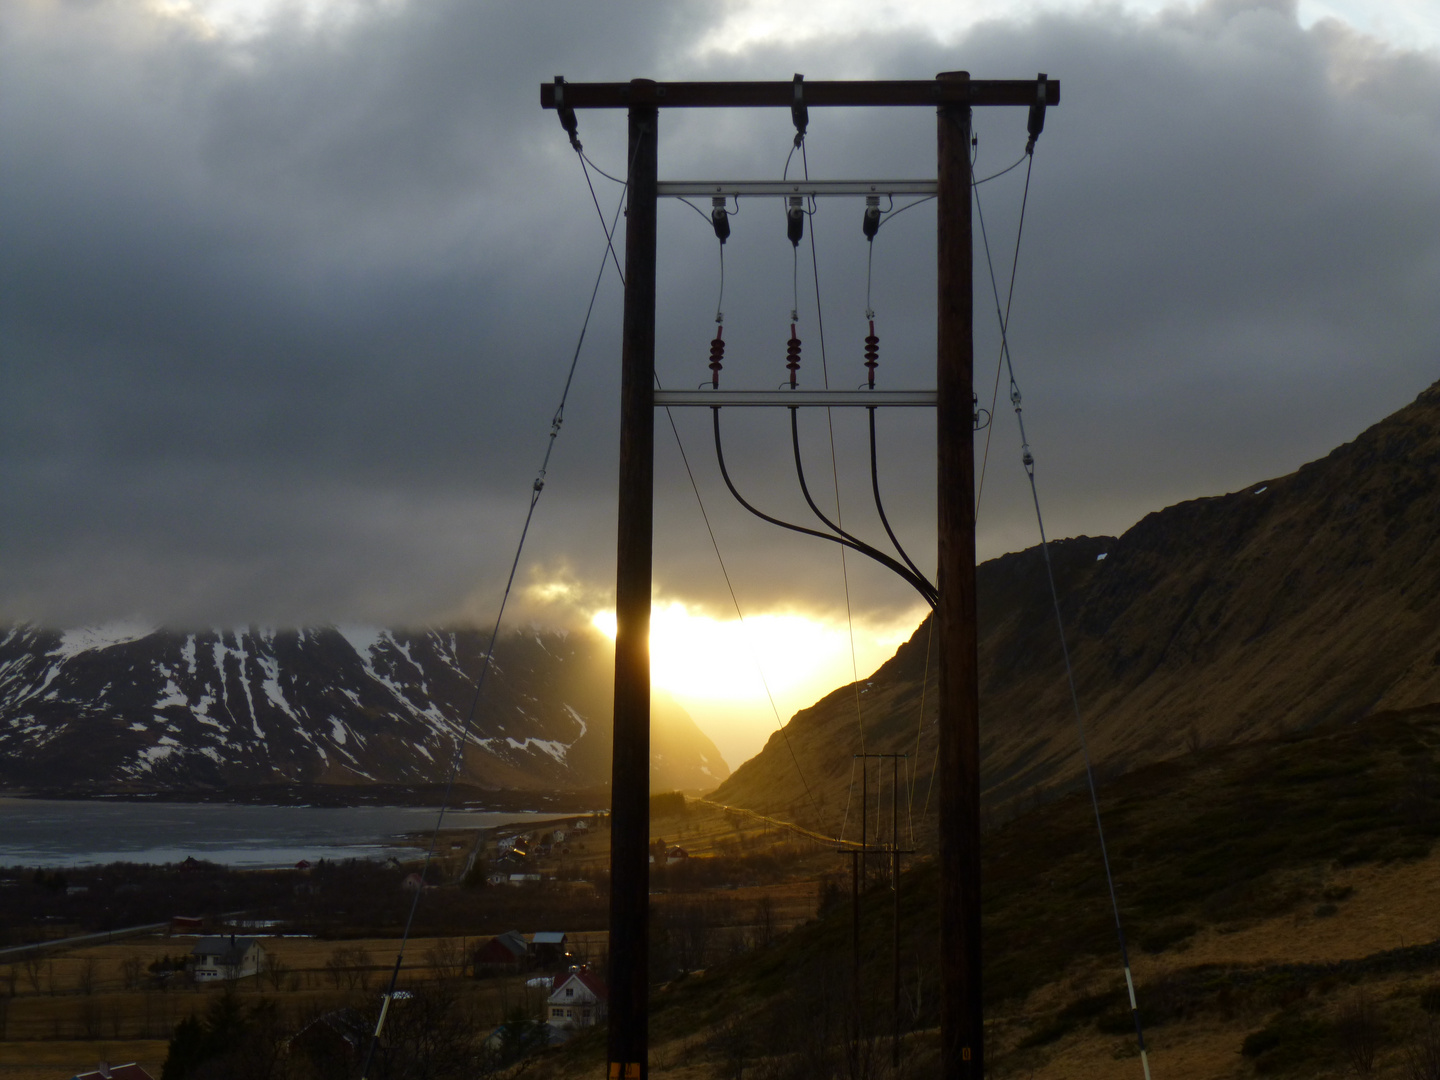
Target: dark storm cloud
284,320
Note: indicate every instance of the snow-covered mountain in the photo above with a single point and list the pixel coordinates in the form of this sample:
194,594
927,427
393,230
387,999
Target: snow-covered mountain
134,707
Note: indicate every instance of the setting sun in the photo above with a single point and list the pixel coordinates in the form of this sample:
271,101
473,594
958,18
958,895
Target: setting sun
719,669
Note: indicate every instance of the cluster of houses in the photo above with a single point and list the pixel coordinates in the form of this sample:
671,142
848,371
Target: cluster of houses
516,856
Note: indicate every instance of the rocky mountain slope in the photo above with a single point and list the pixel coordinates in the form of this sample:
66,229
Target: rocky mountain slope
137,708
1307,598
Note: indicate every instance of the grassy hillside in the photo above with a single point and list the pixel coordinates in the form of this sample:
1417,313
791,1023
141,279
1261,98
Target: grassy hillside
1279,896
1307,599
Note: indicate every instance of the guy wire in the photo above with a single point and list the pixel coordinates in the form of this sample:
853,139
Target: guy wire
1028,460
457,757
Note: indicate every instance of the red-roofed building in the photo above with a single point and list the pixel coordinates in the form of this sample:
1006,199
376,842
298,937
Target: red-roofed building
578,1000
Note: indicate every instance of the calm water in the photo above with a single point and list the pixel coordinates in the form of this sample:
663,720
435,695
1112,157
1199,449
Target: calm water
36,832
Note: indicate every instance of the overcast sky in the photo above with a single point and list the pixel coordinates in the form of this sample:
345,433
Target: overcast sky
287,297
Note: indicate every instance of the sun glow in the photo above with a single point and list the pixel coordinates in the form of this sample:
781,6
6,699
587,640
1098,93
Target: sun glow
726,672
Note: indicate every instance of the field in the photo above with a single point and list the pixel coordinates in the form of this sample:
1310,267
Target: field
1281,901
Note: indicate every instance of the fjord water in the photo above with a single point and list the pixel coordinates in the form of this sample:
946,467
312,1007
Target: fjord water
52,833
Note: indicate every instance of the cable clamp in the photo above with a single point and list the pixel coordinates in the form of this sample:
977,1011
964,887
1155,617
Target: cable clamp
567,115
1036,122
798,112
720,218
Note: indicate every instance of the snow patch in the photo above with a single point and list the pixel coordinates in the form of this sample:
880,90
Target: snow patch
579,720
74,642
1101,556
171,695
337,731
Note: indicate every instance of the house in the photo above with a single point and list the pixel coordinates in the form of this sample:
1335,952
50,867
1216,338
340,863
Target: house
676,854
337,1036
580,824
186,924
578,1000
548,948
225,958
414,883
106,1071
504,952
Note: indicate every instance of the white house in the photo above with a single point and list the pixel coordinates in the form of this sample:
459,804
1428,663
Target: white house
578,1000
225,958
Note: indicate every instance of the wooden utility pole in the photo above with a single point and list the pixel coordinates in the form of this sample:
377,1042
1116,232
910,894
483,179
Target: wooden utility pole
630,767
953,94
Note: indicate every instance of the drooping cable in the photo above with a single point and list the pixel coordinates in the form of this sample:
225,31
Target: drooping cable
923,587
457,757
1027,459
735,600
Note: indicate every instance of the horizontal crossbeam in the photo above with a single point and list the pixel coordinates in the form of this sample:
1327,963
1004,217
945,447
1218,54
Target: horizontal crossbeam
743,398
749,95
701,188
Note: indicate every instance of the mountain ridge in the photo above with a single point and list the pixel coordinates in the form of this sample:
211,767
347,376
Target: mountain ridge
1299,600
129,707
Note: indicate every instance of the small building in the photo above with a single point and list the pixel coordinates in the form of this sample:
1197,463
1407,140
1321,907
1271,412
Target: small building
186,924
505,952
225,958
581,824
549,948
578,1000
676,854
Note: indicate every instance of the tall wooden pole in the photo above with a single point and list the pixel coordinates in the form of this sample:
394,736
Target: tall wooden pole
630,767
961,1014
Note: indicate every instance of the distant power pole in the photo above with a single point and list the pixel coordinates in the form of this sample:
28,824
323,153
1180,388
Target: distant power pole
952,94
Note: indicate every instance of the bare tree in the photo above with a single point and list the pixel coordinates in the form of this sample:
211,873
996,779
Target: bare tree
275,971
349,966
1422,1056
1358,1029
130,969
85,980
764,921
34,965
446,958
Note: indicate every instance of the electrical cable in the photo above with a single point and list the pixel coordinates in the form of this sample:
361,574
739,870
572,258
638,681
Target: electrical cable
1027,458
919,584
879,506
834,467
740,614
457,757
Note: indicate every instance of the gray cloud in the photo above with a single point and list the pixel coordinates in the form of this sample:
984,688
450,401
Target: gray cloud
284,321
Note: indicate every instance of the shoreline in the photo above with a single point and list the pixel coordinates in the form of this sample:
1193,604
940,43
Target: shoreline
343,796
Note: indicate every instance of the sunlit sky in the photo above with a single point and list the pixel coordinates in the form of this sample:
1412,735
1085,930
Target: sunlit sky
727,672
291,287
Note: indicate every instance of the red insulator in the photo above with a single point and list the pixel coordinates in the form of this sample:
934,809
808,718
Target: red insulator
717,353
872,353
792,356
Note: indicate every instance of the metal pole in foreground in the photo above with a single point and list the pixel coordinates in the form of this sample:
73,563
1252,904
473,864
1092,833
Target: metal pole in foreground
630,767
962,1048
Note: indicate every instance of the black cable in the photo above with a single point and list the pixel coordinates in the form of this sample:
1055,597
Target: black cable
923,587
879,506
996,176
855,542
685,459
